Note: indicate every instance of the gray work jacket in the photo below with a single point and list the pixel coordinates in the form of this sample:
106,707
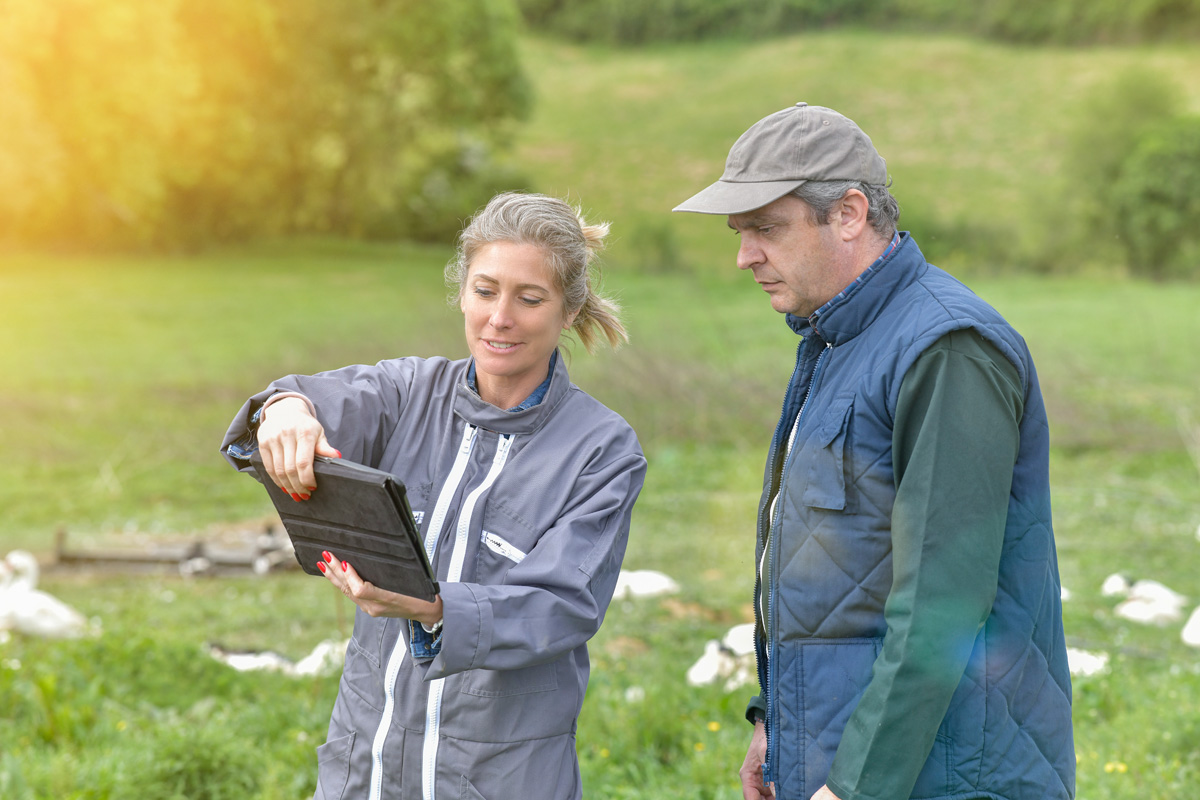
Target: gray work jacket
528,516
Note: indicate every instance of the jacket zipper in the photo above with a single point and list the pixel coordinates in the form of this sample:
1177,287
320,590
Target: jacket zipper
400,649
433,715
773,543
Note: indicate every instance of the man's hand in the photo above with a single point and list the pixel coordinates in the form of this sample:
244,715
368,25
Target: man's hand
753,787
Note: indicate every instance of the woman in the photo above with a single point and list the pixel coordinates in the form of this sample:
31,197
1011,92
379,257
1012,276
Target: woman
523,486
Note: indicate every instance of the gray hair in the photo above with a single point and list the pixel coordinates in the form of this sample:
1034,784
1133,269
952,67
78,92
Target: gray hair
570,245
883,212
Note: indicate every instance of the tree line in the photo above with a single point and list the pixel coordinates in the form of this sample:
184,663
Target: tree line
633,22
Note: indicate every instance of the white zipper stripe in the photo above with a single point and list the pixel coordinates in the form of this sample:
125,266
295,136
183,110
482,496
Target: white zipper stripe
468,509
385,722
448,490
401,648
433,724
501,546
433,711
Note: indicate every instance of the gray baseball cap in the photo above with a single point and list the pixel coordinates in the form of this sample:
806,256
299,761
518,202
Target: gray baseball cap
781,152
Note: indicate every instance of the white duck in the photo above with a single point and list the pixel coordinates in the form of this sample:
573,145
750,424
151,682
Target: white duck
732,659
326,658
1191,630
25,608
1152,603
643,583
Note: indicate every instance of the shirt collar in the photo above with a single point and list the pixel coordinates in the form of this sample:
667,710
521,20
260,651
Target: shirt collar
534,398
800,324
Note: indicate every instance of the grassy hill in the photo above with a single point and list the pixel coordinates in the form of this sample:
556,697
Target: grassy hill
120,375
974,133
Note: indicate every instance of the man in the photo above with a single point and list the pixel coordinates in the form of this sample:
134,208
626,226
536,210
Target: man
910,637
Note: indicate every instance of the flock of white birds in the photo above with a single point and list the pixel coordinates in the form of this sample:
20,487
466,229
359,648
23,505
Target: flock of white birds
27,610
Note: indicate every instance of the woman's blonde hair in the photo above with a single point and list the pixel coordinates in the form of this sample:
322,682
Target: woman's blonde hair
570,245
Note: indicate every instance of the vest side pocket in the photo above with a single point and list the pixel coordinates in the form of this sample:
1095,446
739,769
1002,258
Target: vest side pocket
826,454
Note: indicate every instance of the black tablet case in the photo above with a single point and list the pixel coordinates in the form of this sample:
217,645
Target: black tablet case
360,515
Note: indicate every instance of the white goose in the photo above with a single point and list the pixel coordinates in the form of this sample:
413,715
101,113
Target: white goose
25,608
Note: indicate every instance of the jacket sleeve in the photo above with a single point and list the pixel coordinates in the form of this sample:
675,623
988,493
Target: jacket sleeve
356,405
555,599
955,443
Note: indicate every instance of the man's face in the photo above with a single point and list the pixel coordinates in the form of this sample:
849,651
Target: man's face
796,261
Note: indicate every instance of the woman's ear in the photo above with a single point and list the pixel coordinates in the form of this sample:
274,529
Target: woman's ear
569,320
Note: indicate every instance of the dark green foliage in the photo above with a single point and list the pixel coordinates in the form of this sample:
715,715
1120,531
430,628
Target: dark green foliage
632,22
189,121
1157,204
1078,220
1130,173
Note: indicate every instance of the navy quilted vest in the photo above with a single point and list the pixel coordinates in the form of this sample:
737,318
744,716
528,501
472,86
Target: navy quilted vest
1007,733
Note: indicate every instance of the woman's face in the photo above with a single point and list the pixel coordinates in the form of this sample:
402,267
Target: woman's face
514,315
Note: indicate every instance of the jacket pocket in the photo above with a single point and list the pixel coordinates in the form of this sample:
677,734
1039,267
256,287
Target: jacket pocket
333,767
819,683
367,639
363,670
468,792
510,682
502,547
826,455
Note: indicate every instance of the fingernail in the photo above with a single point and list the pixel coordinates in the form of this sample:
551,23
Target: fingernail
321,566
345,567
304,496
295,496
327,556
339,452
312,488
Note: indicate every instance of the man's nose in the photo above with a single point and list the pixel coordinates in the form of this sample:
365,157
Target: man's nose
748,253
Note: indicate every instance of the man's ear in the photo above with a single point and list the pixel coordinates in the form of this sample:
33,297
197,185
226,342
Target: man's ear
852,214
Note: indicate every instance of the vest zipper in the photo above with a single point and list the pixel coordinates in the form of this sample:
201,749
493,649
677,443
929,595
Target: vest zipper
773,544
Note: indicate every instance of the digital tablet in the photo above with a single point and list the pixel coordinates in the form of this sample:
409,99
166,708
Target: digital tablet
362,516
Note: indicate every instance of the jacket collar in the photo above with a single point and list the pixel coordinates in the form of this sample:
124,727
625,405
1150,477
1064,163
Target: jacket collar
476,411
859,304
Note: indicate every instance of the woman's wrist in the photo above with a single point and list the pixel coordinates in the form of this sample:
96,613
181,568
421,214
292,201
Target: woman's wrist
283,396
431,617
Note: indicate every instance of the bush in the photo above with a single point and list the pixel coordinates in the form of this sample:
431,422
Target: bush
1109,121
172,123
1157,205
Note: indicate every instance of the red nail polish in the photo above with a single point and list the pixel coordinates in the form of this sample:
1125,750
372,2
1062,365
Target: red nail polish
305,496
339,452
295,496
327,556
321,566
312,488
345,567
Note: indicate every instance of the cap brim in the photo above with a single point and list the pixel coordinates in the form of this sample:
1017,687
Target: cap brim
727,197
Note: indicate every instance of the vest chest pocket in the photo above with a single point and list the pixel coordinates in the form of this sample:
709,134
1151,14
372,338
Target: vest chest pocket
825,453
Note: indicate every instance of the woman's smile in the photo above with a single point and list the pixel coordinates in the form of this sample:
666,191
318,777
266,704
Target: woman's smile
514,315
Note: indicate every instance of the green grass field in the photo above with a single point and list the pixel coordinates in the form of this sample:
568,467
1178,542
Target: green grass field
120,375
